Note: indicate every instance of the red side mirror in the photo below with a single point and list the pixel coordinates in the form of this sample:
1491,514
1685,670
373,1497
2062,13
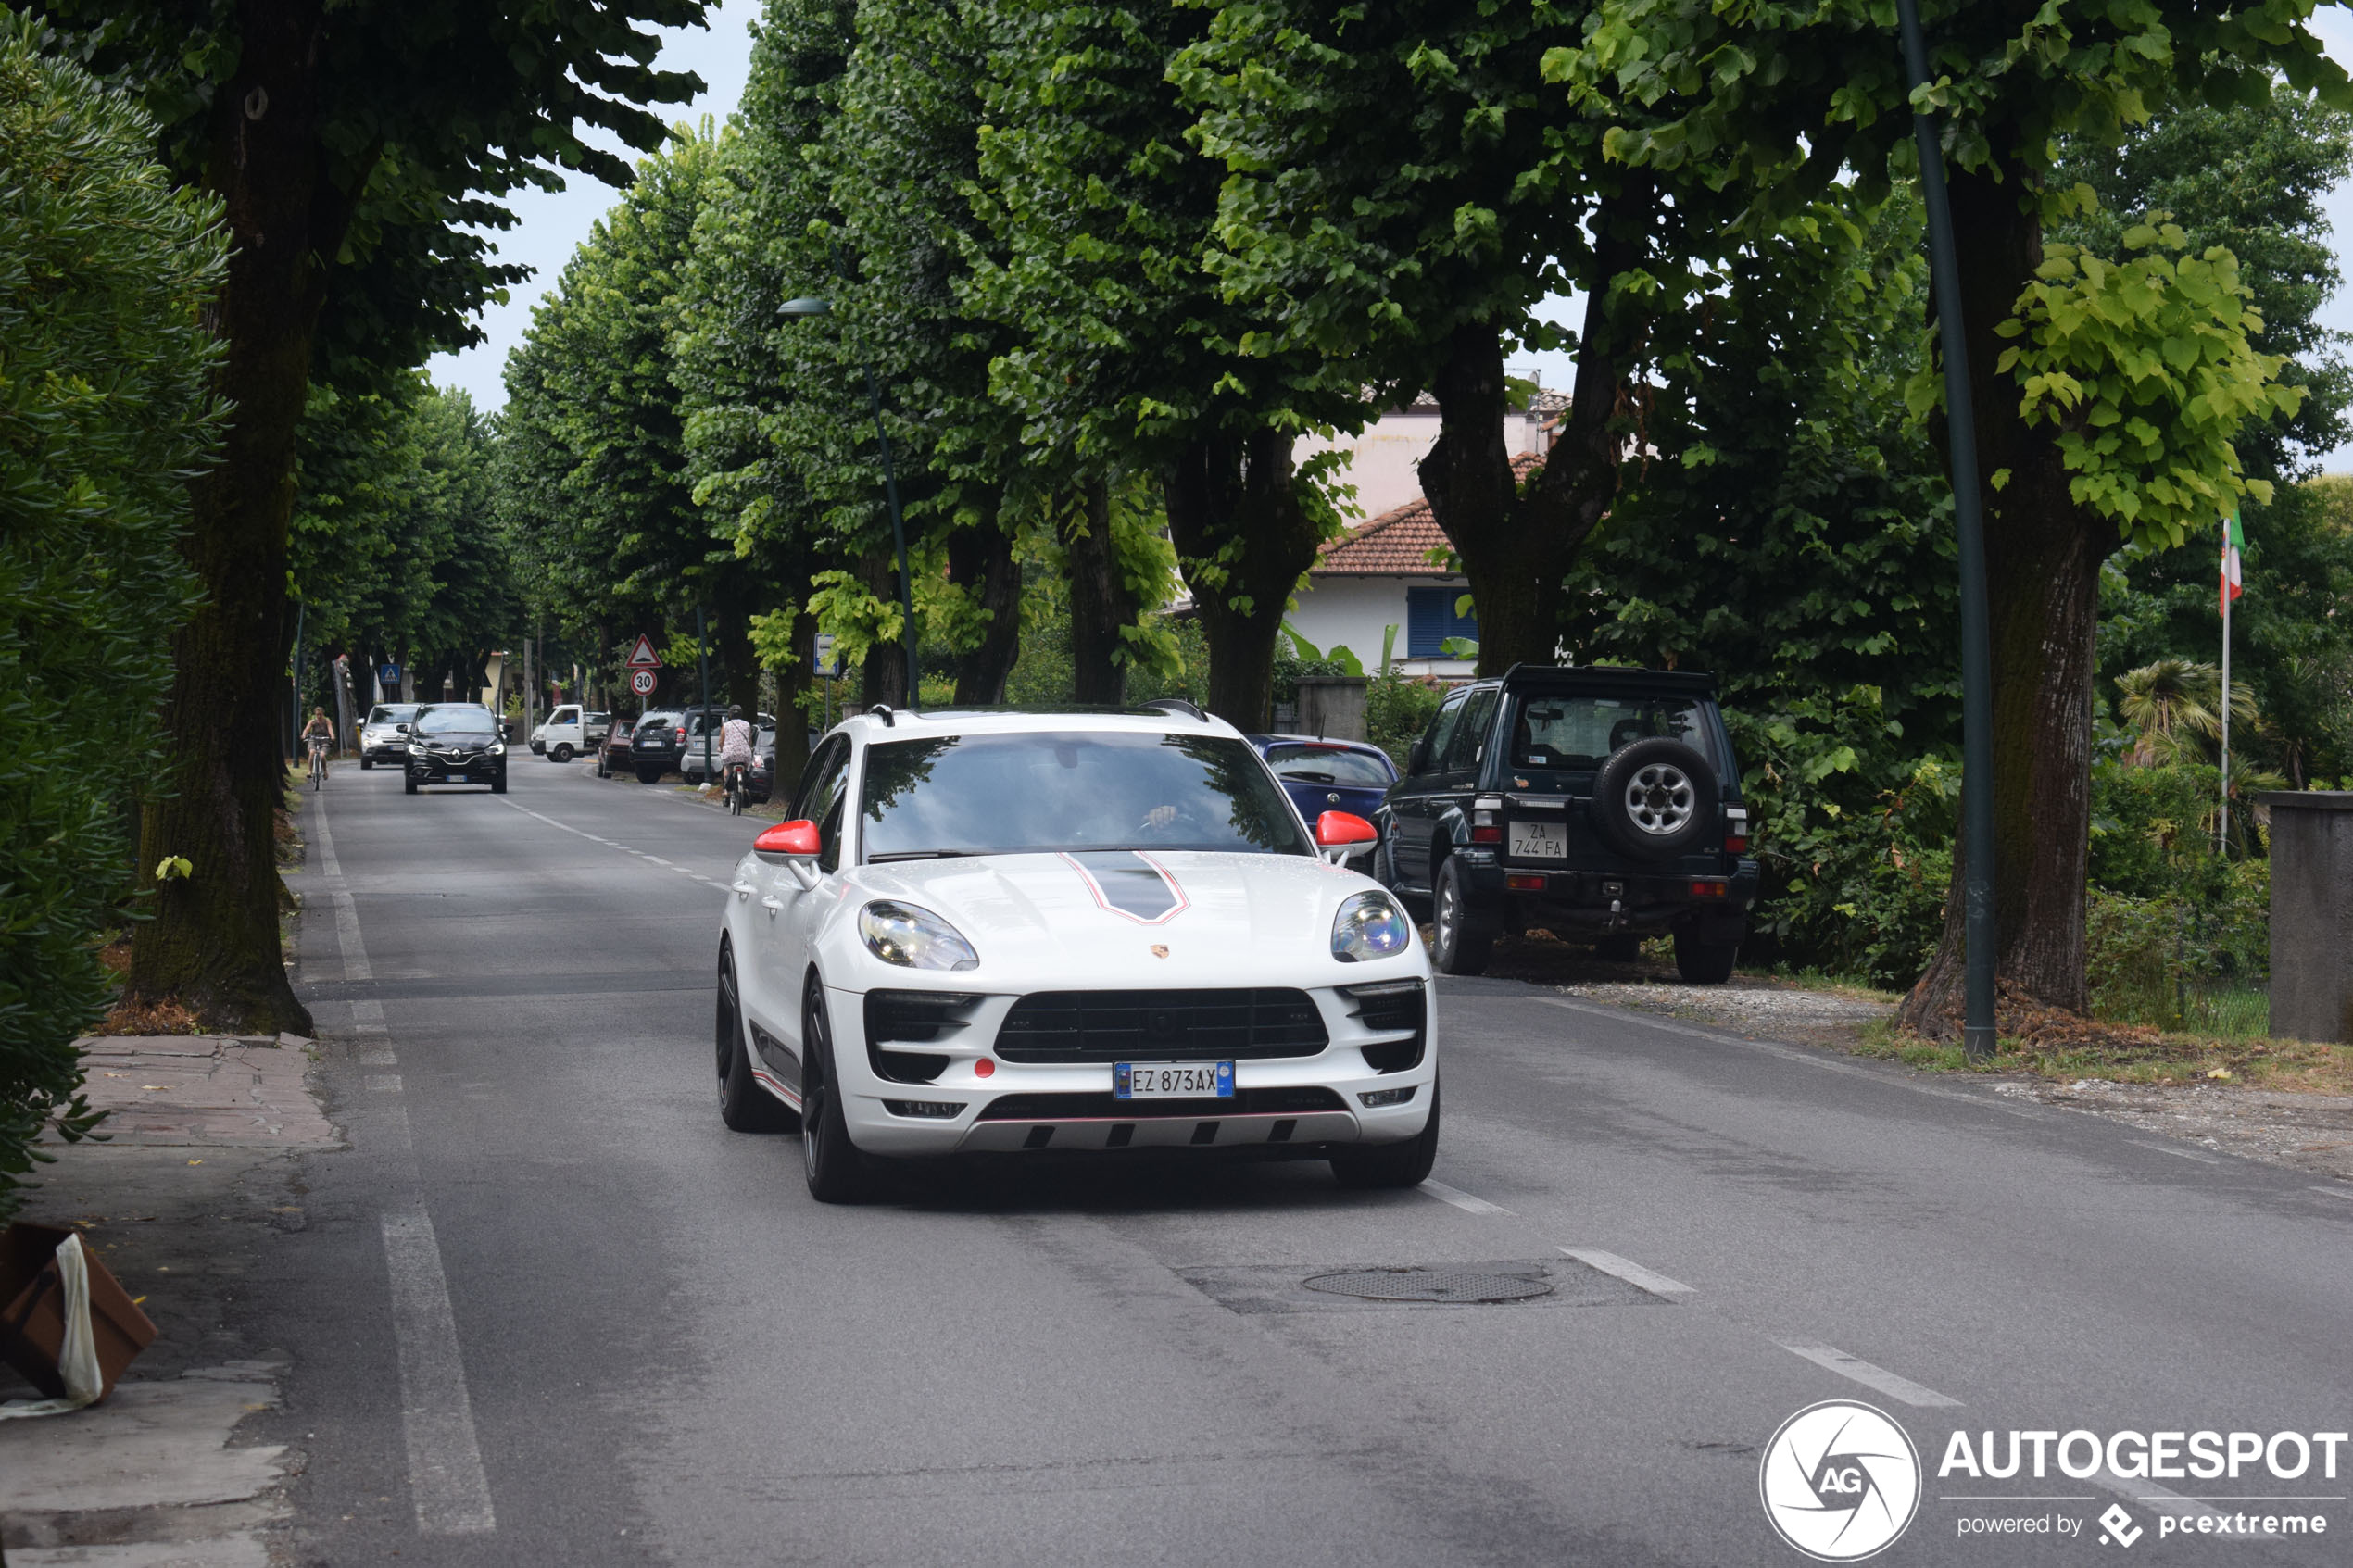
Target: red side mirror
791,840
1334,829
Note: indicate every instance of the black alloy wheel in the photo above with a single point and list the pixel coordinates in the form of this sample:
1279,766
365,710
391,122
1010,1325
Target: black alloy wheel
1393,1165
1465,940
744,1105
835,1169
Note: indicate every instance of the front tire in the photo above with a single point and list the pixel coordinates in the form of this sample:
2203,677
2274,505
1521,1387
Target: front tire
1404,1164
835,1171
499,785
407,787
365,764
1464,941
1705,963
744,1106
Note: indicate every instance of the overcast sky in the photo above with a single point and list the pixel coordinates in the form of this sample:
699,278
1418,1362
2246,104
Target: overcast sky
550,226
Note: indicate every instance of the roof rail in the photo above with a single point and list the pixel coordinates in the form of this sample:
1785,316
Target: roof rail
1175,704
882,710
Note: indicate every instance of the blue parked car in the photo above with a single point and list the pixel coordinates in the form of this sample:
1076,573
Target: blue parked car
1329,775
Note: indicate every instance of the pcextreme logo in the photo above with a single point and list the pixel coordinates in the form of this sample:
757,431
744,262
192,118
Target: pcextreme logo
1840,1481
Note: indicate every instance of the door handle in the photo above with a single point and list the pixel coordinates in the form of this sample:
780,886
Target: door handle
741,889
772,904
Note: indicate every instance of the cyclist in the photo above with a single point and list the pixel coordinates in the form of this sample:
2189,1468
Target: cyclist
320,735
735,753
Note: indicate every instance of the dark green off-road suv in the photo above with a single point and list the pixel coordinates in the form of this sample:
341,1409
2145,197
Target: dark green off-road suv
1602,804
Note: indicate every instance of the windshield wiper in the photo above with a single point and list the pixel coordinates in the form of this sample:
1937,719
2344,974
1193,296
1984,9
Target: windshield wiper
925,855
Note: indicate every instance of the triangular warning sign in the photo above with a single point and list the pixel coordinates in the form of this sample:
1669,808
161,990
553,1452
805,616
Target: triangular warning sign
643,656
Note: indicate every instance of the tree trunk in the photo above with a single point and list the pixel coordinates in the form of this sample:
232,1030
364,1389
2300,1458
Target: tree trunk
884,676
1231,489
1101,605
980,560
213,942
1516,545
2042,557
792,725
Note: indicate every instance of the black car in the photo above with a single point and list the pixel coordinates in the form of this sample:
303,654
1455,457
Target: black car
654,745
1598,803
456,743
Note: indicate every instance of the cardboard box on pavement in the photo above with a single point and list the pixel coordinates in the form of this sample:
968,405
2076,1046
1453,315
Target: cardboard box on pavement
32,1323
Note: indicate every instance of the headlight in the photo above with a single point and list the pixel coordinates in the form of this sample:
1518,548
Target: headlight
416,748
913,938
499,749
1369,927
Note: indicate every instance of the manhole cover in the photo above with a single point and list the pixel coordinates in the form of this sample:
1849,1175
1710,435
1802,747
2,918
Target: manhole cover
1428,1285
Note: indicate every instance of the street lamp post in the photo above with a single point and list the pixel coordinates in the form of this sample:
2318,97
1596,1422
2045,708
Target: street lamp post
812,305
1977,662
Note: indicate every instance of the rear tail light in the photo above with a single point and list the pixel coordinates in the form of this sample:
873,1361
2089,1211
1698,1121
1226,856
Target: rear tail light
1710,889
1485,829
1519,884
1735,844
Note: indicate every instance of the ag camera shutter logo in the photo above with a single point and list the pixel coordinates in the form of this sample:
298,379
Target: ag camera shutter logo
1840,1481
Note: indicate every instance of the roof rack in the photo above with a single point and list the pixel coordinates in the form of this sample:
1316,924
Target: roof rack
1174,705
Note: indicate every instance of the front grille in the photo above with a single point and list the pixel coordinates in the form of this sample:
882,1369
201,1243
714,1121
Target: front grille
1162,1026
1107,1108
1389,1006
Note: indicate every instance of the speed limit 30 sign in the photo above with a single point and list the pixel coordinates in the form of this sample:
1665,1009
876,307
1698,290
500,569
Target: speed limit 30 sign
642,682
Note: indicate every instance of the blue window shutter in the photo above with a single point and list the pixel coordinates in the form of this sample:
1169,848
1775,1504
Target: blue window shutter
1461,625
1428,611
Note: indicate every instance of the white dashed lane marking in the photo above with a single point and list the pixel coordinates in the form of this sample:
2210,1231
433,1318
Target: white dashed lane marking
1633,1273
624,848
1462,1201
1869,1376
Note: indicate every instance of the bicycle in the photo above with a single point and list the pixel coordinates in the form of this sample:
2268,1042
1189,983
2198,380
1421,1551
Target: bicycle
734,787
318,763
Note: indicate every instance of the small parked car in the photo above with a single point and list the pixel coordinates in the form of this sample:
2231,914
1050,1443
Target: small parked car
1602,804
655,744
567,733
1329,775
384,733
456,743
613,754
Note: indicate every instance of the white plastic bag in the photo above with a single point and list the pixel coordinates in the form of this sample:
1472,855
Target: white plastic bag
79,1363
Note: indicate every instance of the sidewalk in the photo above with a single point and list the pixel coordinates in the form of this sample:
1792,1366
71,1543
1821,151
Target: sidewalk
201,1169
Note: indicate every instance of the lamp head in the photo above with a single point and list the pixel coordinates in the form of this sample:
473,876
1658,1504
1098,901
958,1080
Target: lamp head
807,305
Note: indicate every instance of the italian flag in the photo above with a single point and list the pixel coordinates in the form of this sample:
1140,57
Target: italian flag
2233,583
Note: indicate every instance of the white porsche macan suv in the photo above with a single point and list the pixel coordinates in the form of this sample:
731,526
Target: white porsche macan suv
991,932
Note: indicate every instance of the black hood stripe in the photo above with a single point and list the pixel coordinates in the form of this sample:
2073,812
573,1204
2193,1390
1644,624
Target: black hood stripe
1131,883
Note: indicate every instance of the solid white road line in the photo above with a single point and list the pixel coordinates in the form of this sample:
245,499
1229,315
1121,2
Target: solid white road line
2177,1152
2345,1193
1462,1201
1633,1273
355,957
1870,1376
446,1479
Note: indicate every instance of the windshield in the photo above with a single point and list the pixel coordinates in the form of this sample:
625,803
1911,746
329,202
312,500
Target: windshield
1329,765
1047,791
1577,732
392,713
455,721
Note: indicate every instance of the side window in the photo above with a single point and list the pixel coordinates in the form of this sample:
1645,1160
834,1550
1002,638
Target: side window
829,833
1470,735
1441,728
821,781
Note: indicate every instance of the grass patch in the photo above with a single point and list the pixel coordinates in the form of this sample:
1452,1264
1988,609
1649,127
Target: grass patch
2181,1057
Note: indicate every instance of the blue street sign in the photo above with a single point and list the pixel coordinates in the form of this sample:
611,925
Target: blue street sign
389,674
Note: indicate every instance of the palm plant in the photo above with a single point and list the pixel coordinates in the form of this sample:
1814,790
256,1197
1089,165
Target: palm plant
2173,704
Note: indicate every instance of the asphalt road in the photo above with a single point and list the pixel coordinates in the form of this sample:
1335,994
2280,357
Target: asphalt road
548,1310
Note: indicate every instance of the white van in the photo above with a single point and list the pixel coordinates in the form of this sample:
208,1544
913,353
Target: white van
567,733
